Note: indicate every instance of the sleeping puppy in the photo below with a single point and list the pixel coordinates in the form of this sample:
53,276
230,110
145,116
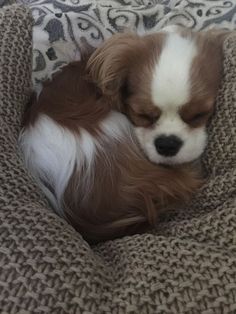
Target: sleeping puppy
110,139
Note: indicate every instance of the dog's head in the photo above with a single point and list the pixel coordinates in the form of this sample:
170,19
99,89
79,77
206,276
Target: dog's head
166,84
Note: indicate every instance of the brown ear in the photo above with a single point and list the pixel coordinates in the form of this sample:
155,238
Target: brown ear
109,64
213,42
218,34
216,37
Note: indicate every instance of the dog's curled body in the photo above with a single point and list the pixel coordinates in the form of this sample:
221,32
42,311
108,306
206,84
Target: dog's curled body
86,159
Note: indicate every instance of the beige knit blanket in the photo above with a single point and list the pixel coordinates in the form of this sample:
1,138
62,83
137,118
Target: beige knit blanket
187,265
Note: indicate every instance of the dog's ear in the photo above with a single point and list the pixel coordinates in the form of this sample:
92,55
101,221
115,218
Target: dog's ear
108,66
214,39
218,35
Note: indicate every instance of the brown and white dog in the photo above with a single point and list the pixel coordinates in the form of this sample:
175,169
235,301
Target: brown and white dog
100,131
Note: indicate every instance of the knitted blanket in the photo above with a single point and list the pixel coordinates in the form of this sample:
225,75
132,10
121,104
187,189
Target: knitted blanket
187,265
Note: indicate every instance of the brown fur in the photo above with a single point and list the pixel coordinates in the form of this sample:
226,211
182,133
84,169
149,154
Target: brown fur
122,66
71,100
126,190
206,76
122,69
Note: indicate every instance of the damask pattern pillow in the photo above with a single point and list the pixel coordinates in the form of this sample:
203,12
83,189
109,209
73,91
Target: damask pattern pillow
6,2
62,27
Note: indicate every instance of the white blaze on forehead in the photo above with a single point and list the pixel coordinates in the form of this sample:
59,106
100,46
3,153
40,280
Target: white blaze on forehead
171,77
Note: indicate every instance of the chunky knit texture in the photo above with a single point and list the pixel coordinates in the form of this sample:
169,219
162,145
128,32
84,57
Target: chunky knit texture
188,265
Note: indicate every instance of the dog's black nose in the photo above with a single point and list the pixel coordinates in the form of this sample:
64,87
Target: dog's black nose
168,145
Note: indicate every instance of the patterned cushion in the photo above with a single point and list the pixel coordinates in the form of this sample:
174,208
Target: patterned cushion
6,2
62,27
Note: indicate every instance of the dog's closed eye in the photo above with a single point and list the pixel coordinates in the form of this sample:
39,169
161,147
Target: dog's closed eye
196,119
151,118
143,118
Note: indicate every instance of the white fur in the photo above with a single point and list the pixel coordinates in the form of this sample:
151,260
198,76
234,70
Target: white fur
52,152
194,140
170,90
116,126
171,77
